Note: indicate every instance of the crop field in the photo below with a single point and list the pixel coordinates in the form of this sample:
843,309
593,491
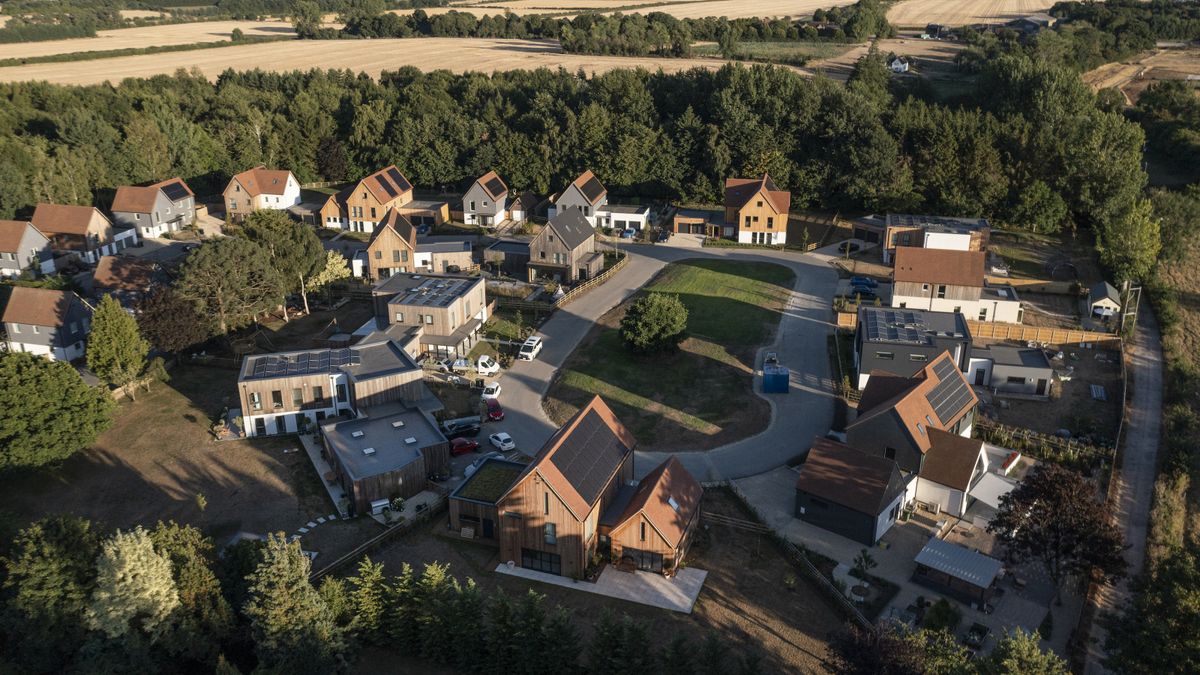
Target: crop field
919,13
935,58
145,36
367,56
1132,78
736,9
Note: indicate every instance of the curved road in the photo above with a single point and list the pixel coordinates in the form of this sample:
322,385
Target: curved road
801,342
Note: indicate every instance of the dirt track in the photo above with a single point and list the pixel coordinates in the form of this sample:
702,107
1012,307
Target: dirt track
1131,78
961,12
146,36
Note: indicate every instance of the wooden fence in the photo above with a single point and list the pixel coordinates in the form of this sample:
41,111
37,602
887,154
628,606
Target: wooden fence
323,184
538,306
1055,336
398,529
1037,285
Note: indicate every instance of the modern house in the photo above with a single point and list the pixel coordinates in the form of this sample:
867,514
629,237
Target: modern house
444,257
23,248
486,201
623,217
650,525
288,392
511,256
565,249
387,450
758,209
360,207
850,492
258,189
126,278
155,210
81,231
896,414
952,467
448,310
585,194
473,512
392,248
940,232
1104,300
1012,370
901,342
524,206
704,222
48,322
943,280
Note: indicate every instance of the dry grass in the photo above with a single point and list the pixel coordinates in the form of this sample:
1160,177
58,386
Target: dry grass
367,56
935,58
735,9
146,36
919,13
1132,78
141,14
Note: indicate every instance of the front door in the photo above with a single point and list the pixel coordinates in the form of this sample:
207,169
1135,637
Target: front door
489,529
1041,388
979,377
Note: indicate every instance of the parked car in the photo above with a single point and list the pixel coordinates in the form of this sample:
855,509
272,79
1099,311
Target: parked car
530,348
486,365
461,446
628,233
863,296
502,441
461,429
492,390
422,229
494,412
441,365
470,470
862,289
863,281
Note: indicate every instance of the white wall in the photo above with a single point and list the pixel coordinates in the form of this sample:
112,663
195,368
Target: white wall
948,241
975,365
884,521
951,500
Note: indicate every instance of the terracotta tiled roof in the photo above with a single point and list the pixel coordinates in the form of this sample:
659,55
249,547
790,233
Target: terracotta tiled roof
132,199
263,181
124,273
844,475
395,221
739,191
63,219
931,401
951,459
38,306
11,233
669,497
493,186
174,188
939,266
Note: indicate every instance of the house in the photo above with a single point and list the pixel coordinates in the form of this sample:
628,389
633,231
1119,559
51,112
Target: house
898,64
1031,24
586,194
621,217
941,232
703,222
758,209
126,278
44,321
901,341
472,505
392,248
444,257
896,414
549,517
23,248
650,525
360,207
155,210
449,310
524,207
957,571
82,231
260,188
510,256
952,467
1104,300
287,392
1012,370
386,451
850,492
943,280
486,201
565,249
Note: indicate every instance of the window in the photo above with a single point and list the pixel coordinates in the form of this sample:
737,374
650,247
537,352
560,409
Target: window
277,398
543,255
541,561
372,211
319,394
297,396
983,313
957,309
403,256
551,534
587,211
818,503
643,531
941,292
760,205
924,288
1015,380
428,319
885,356
137,216
399,317
895,513
341,393
917,357
472,206
747,221
550,238
770,222
256,400
379,255
395,255
546,503
921,428
890,453
36,330
756,219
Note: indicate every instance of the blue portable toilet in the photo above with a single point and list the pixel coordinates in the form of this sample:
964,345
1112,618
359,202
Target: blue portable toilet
775,379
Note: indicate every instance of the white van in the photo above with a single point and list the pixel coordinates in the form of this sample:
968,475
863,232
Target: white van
530,349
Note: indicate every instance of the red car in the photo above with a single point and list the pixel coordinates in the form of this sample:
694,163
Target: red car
494,412
461,446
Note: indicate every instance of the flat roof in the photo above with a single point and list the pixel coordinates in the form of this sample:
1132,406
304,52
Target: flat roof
910,326
625,208
510,246
444,247
999,292
959,562
489,482
394,433
1007,355
362,361
424,204
709,215
937,223
426,290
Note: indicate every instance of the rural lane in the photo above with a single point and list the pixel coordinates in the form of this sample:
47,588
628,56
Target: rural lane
801,342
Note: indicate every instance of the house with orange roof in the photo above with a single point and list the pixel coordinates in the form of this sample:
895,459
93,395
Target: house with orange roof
486,201
758,209
155,210
944,280
23,248
81,231
585,193
260,188
649,525
43,321
360,207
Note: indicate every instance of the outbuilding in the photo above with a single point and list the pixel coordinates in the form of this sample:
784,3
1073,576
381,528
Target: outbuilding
1104,300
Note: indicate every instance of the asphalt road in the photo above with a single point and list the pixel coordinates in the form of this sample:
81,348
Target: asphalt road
801,342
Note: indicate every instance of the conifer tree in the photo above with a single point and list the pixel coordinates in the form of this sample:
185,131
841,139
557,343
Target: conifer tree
135,587
116,350
369,593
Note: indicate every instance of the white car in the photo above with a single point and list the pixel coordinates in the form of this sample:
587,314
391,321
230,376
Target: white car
530,348
502,441
486,365
492,390
470,470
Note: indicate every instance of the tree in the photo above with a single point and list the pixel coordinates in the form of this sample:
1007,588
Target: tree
293,248
1129,244
1053,516
49,412
231,280
1179,219
306,18
503,653
714,655
1159,632
676,657
116,350
170,322
293,629
335,269
369,592
654,323
604,651
562,643
864,562
1017,653
204,618
135,589
895,649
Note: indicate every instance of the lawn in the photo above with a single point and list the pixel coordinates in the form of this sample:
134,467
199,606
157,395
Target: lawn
701,396
790,52
1040,256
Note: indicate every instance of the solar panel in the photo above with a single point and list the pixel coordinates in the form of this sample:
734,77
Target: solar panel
951,394
399,179
174,191
387,187
495,186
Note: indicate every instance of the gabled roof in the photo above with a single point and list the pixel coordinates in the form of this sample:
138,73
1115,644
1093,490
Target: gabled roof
668,497
939,266
936,397
528,201
396,222
133,199
63,218
951,459
263,181
174,188
12,232
591,187
386,184
38,306
581,459
124,273
572,228
739,191
1102,290
492,186
850,477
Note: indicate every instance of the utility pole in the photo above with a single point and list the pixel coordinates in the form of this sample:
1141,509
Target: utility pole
1131,297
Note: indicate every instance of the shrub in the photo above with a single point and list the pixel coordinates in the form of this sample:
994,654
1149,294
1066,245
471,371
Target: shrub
655,323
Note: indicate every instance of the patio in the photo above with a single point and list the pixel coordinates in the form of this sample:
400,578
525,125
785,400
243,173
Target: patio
677,594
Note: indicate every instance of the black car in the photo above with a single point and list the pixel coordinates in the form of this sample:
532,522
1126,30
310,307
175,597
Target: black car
462,430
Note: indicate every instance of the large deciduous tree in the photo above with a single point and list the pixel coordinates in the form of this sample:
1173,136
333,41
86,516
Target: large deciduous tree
1053,516
294,249
655,323
170,321
1160,630
116,350
49,412
1129,244
231,280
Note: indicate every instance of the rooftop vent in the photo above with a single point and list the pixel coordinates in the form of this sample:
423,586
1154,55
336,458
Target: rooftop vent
368,451
357,434
410,440
397,424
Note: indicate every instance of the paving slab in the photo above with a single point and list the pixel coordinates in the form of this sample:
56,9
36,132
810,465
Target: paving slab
677,594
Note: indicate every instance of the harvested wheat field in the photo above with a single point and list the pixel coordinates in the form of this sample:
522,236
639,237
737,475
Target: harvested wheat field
736,9
936,57
145,36
920,13
367,56
525,6
488,10
141,14
1132,78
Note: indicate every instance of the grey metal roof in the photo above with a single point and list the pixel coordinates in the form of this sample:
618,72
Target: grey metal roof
959,562
444,247
1006,355
910,326
625,208
612,514
425,290
937,223
709,215
510,246
1103,289
589,456
393,434
999,292
572,227
951,393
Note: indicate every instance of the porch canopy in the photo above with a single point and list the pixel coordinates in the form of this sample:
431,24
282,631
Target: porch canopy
959,562
991,487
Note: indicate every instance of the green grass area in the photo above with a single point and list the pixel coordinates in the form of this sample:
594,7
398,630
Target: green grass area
794,53
490,482
701,396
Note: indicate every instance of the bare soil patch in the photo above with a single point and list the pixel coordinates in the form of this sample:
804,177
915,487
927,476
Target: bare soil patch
1133,77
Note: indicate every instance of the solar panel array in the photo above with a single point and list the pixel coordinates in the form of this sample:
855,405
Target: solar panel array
592,189
889,326
304,363
174,191
398,179
951,393
495,186
387,187
589,456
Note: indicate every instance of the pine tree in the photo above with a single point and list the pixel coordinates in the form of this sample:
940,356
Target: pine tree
339,602
562,642
116,350
135,587
604,651
370,596
204,619
435,594
402,626
636,649
676,657
502,650
714,655
1018,653
468,611
529,631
